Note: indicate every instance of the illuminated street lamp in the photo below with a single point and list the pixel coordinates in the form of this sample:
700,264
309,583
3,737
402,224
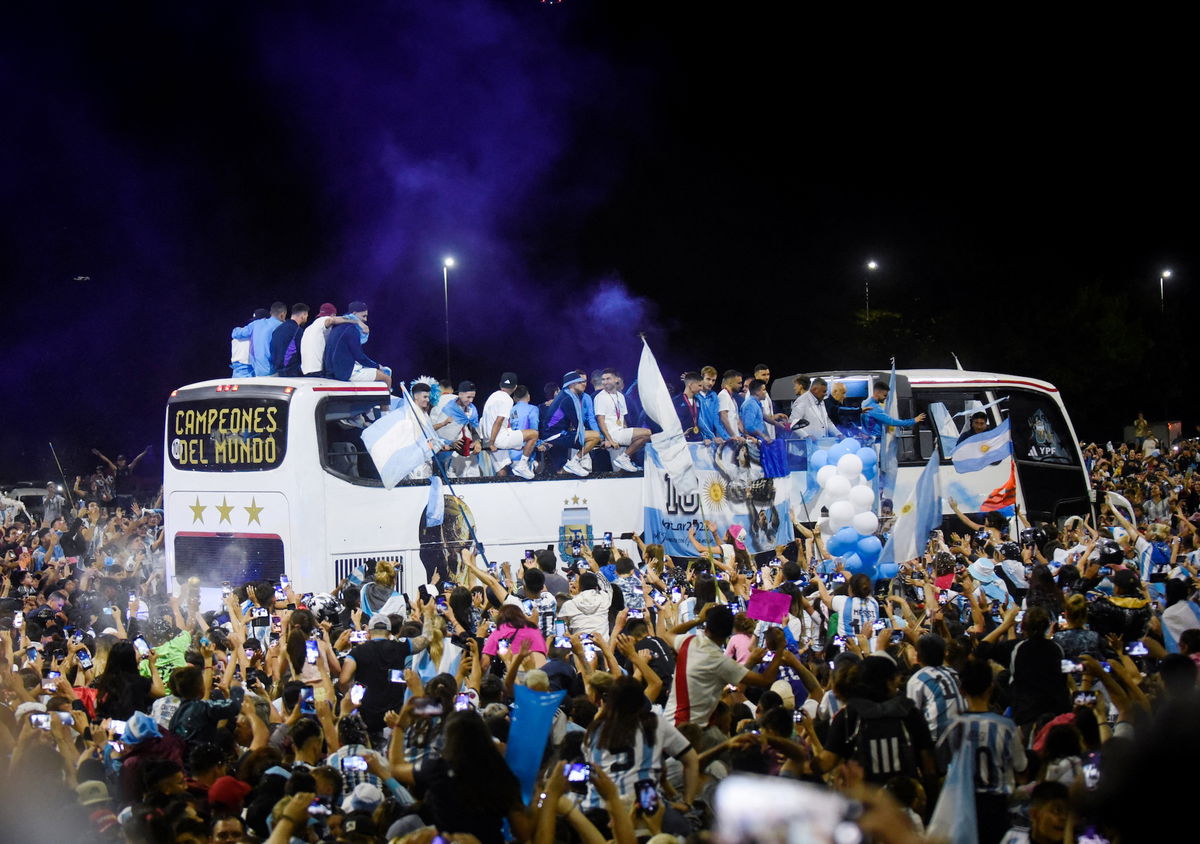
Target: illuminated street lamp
871,267
1163,276
446,265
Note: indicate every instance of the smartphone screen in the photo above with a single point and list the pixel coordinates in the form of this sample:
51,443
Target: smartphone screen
85,658
358,636
647,796
141,647
311,651
528,554
116,728
354,763
307,701
283,581
462,701
356,693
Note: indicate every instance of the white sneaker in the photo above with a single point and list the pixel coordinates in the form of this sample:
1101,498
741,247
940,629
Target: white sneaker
623,463
521,470
575,467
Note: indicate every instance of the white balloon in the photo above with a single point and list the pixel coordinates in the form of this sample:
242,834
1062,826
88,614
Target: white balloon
863,498
824,474
840,514
849,466
837,488
865,523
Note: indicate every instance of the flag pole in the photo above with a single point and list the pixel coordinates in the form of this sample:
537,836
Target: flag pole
419,414
62,475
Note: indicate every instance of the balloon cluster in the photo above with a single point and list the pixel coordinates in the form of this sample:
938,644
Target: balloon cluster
844,473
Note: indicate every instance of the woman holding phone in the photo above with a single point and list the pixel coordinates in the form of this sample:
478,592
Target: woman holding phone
121,690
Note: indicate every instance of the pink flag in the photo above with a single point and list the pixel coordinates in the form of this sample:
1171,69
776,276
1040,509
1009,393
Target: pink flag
768,606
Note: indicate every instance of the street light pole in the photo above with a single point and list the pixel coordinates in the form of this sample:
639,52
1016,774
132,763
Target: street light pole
446,265
1162,305
871,267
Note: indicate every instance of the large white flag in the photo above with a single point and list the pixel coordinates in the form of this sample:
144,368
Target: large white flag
670,444
397,443
919,515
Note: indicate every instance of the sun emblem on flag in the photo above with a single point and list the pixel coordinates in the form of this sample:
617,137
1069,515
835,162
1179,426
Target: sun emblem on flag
985,448
908,507
713,493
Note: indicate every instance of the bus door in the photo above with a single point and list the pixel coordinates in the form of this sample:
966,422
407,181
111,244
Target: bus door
1049,469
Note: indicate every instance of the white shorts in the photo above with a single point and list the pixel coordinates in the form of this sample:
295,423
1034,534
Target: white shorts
509,438
621,436
364,375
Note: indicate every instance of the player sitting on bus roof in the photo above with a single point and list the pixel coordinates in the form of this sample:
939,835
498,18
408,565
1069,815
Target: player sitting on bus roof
343,349
566,423
497,412
612,417
285,342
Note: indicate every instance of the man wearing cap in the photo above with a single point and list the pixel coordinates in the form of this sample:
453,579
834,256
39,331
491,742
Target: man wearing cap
500,437
378,664
343,349
239,345
284,360
312,341
566,422
612,417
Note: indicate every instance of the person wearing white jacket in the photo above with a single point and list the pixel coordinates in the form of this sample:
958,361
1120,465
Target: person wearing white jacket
587,611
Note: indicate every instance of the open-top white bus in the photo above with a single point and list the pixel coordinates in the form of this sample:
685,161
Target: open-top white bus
267,476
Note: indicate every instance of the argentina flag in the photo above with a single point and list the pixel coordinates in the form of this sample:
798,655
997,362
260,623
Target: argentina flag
983,449
921,513
397,444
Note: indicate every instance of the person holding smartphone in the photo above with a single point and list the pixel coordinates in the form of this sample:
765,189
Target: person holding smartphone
121,690
378,664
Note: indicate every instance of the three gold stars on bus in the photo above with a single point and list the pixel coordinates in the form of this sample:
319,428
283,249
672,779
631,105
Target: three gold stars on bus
224,509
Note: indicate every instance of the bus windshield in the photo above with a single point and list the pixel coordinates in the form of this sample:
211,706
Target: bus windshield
227,433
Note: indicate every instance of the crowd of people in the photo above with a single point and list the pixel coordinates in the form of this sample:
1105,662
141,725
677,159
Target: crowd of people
1035,680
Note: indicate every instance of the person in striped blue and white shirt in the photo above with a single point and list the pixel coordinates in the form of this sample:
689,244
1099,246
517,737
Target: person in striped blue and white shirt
993,742
934,688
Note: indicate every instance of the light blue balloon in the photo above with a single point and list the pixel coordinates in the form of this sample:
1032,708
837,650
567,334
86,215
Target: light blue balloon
868,472
867,455
819,458
847,540
850,444
889,570
869,548
836,452
852,563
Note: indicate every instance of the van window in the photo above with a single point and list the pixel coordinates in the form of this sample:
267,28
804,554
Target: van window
238,559
227,434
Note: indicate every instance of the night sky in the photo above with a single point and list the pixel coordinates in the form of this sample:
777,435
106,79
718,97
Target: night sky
715,176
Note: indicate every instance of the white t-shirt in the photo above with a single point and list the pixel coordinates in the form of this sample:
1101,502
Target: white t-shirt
312,345
703,671
768,407
499,406
612,407
732,421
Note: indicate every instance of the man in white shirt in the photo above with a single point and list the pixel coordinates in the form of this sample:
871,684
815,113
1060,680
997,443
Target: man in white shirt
500,437
800,385
312,341
811,407
727,406
612,415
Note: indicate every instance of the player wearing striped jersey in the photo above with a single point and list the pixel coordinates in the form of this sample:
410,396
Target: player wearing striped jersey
857,610
934,688
631,744
993,743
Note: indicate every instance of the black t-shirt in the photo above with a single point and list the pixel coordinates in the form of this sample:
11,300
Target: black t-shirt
135,696
379,665
451,812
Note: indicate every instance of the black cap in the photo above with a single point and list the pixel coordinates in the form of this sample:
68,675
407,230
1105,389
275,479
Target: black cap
508,379
357,307
466,386
261,313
